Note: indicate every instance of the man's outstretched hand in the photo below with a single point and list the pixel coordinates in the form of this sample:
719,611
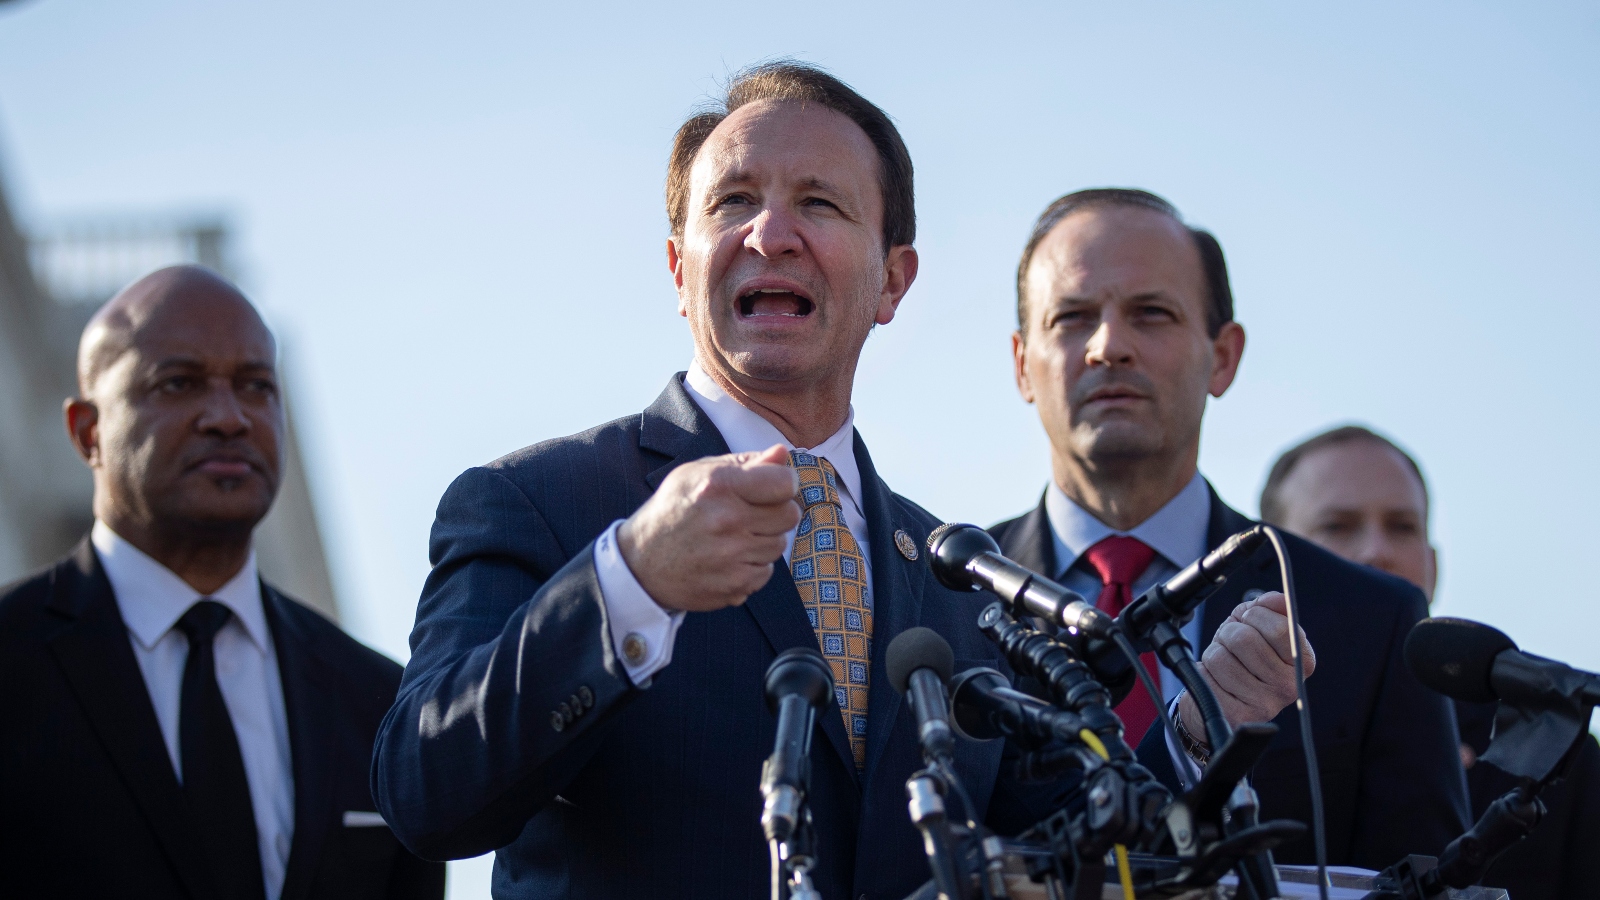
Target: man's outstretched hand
1248,665
708,537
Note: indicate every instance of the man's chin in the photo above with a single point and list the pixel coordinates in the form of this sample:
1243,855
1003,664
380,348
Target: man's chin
228,514
1111,443
774,366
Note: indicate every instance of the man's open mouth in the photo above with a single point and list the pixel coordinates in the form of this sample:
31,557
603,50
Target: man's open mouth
774,302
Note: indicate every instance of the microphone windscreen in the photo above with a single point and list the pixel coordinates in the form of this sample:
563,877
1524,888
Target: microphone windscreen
918,648
1455,657
799,670
951,546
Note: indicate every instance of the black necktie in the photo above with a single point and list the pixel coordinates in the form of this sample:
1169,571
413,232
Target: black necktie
214,784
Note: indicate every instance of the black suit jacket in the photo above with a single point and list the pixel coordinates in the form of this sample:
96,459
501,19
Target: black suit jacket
1561,859
91,805
1391,777
648,792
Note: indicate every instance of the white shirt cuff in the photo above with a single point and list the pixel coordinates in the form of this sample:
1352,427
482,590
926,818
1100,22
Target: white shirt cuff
1188,770
641,631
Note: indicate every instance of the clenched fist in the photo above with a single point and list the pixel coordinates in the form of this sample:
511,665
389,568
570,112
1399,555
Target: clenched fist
709,535
1248,665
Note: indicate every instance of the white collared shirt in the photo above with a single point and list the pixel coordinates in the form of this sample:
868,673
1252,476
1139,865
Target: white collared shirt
151,599
630,612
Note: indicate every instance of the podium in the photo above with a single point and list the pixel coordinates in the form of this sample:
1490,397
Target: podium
1295,883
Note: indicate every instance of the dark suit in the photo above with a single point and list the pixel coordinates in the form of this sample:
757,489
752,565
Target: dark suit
1391,777
92,807
648,792
1561,859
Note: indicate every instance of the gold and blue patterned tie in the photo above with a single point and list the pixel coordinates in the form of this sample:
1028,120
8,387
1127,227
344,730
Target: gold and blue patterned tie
831,576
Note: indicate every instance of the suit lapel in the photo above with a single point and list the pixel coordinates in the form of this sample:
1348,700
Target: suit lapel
896,598
97,661
1256,572
312,748
675,427
1033,545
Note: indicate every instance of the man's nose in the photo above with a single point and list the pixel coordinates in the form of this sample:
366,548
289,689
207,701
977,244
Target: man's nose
1110,344
1375,550
223,414
774,232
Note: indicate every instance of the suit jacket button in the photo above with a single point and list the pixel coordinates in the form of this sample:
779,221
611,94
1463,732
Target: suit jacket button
566,713
557,721
576,704
586,695
634,648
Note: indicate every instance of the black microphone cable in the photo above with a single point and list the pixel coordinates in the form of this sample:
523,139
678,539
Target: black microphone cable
1126,646
1319,835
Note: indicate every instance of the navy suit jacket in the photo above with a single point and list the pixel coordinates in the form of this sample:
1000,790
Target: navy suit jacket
92,807
1391,777
649,791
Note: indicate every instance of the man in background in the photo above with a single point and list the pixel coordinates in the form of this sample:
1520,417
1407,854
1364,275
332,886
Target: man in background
1125,328
175,727
1359,495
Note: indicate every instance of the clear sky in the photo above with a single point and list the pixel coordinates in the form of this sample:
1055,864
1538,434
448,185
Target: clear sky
452,215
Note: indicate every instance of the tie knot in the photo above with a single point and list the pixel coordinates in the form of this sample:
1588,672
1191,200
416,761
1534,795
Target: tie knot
819,483
203,620
1119,559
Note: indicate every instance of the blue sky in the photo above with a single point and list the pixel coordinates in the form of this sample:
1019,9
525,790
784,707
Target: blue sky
452,215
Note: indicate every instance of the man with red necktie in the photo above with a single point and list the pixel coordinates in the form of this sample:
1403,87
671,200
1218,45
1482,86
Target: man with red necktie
1125,328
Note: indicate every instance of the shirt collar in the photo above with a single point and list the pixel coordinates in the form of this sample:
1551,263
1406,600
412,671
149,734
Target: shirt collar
152,598
1177,531
746,431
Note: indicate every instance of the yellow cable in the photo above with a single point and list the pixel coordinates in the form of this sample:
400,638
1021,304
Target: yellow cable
1124,871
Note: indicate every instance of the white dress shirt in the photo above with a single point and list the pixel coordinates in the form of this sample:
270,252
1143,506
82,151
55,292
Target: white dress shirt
1177,532
637,623
152,599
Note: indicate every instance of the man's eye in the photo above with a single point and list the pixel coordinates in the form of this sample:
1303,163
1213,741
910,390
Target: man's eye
733,200
1155,312
175,385
261,386
820,202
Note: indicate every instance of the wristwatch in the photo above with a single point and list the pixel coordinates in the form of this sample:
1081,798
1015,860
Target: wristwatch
1196,750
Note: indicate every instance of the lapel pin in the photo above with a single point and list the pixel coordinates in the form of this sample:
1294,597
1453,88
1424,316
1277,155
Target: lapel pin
907,547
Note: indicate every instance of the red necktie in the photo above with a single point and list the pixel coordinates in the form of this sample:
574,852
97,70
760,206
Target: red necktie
1120,560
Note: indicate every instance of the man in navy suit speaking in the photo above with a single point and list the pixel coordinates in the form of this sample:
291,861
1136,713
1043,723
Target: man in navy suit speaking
585,690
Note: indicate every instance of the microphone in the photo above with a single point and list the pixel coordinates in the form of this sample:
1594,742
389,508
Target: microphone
1180,594
986,706
797,684
1471,661
919,663
965,558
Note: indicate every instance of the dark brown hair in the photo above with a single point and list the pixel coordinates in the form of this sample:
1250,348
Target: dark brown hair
1219,309
1272,511
790,80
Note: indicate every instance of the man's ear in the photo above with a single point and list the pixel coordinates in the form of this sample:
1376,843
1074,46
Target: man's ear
1019,361
83,428
899,270
675,264
1430,575
1227,351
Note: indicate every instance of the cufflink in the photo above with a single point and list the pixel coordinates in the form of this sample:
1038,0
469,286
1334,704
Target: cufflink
634,648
